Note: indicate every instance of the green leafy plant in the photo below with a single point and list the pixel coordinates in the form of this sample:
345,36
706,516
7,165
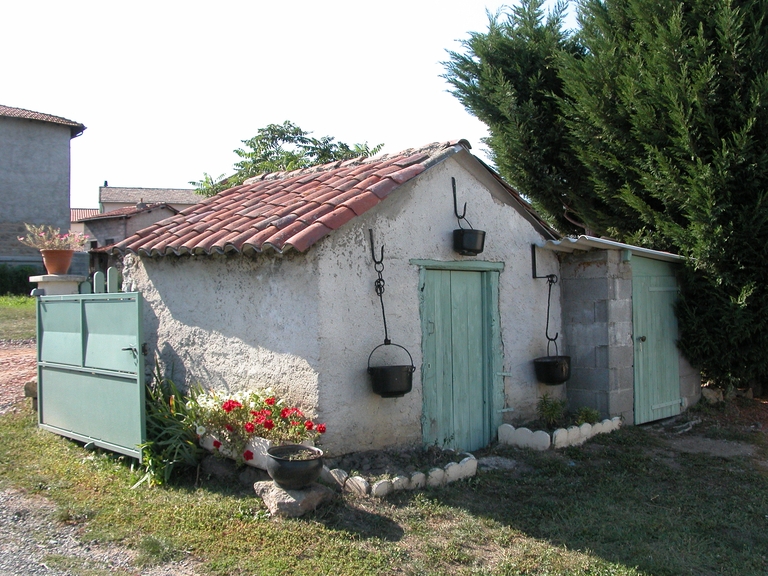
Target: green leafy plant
550,410
586,415
171,437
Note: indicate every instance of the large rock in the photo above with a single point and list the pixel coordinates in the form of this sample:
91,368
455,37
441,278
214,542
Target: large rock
291,503
712,395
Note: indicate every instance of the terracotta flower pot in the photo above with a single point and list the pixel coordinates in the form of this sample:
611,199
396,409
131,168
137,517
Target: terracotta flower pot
57,261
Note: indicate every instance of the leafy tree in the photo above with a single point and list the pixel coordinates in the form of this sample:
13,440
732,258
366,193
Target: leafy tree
658,111
282,147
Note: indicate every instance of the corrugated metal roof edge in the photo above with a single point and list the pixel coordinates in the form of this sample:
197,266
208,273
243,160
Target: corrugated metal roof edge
590,242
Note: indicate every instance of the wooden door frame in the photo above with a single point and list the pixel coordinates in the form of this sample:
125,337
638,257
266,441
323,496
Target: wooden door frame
493,360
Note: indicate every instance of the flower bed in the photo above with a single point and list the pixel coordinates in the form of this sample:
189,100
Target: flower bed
243,425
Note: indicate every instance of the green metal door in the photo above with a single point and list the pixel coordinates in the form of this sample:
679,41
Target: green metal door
657,380
460,353
91,369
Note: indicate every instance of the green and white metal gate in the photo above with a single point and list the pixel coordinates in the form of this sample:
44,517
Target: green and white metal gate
657,373
90,369
462,388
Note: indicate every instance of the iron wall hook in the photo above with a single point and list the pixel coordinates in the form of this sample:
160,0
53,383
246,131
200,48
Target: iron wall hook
455,204
373,252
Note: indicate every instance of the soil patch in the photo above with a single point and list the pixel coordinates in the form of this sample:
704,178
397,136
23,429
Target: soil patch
18,364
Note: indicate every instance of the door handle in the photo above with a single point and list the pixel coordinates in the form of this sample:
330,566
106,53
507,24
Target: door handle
642,339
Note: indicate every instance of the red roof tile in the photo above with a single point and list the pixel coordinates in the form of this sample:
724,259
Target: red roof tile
288,210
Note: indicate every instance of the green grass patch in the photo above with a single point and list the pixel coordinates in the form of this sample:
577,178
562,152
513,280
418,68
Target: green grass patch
17,317
619,505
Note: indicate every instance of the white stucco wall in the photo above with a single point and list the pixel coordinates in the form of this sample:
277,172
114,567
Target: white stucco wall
307,323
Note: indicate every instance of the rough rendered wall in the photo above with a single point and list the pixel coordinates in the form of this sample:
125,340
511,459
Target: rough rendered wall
34,181
417,222
597,318
232,322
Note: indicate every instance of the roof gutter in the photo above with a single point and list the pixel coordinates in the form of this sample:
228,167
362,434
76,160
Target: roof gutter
586,243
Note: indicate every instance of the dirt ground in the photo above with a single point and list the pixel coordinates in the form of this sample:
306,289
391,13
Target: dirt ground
17,366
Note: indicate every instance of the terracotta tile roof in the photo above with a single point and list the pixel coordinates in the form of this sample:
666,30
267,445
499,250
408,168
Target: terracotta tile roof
76,214
287,210
75,127
148,195
129,211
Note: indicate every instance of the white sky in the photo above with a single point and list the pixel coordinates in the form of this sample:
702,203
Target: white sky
169,89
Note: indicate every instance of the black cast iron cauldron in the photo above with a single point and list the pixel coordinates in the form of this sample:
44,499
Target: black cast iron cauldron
468,242
391,381
294,466
552,369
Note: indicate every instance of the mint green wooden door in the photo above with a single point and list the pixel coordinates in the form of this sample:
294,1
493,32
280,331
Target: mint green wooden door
657,379
91,369
459,345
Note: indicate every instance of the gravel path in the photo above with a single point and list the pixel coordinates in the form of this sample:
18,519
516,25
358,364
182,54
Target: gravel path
33,542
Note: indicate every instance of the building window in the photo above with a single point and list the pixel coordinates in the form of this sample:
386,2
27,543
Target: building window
94,244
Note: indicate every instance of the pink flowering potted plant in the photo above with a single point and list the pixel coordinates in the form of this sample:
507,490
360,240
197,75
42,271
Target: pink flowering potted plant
244,425
56,248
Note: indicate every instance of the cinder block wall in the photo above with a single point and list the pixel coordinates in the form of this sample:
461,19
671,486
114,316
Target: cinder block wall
597,322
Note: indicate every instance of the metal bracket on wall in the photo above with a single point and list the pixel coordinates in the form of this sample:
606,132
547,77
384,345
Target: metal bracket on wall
533,264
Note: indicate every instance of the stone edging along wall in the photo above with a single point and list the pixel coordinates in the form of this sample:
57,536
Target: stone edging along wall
436,477
560,438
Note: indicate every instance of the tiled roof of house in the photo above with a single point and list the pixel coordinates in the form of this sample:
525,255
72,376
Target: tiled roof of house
76,214
148,195
285,210
129,211
75,127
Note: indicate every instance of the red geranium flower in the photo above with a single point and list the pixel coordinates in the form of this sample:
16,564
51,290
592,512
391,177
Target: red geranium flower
270,401
230,405
320,428
309,425
285,412
268,424
228,427
295,423
216,444
248,455
249,427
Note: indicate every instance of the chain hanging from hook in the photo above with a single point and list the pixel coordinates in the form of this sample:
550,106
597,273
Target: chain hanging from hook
378,266
551,280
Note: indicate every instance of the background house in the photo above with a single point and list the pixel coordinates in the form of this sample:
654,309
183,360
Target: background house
113,198
34,177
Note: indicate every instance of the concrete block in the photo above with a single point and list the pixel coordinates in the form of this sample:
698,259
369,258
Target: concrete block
578,313
582,356
601,311
621,402
589,334
522,437
589,379
382,488
602,356
418,480
622,289
620,334
586,431
621,356
621,379
587,289
540,441
560,438
401,483
435,477
506,433
620,310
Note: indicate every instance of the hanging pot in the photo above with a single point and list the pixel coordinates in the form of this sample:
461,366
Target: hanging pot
468,242
391,381
552,369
